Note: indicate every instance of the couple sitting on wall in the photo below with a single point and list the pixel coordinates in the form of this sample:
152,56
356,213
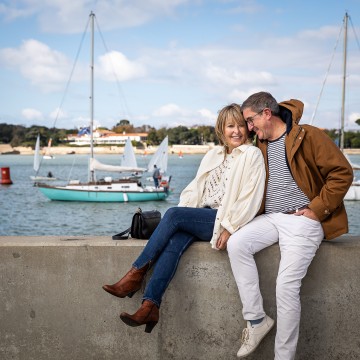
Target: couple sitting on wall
289,189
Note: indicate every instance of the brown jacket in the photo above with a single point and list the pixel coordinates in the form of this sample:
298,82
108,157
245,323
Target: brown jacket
318,167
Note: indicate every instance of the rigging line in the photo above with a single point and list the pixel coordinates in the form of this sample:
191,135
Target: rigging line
353,28
113,70
71,73
68,83
326,75
71,169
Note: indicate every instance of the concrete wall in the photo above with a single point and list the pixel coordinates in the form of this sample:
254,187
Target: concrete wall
53,306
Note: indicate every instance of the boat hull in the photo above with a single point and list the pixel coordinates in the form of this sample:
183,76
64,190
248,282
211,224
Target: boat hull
353,192
42,178
63,194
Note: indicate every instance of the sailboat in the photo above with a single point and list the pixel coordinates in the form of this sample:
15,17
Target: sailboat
354,190
107,189
160,159
37,162
47,155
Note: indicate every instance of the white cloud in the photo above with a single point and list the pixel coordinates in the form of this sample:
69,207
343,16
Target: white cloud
207,115
58,114
32,114
352,118
44,67
168,110
67,16
49,69
115,66
246,7
324,32
176,116
181,70
233,76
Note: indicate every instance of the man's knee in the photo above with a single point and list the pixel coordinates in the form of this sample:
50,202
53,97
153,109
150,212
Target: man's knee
237,244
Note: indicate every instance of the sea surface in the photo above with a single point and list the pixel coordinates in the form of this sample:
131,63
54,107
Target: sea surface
25,211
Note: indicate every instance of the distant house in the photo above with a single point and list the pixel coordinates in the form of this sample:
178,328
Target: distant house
105,137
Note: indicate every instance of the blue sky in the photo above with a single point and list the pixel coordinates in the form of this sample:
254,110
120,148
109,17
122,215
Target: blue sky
174,62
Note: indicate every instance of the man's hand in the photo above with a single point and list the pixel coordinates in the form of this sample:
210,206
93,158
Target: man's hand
308,213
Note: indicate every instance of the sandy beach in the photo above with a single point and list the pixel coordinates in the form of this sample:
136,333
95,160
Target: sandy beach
69,150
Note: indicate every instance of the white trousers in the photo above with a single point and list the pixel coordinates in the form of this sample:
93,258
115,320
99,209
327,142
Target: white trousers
299,237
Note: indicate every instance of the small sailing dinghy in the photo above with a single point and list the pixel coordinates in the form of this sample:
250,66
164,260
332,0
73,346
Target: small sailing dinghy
160,159
48,155
37,162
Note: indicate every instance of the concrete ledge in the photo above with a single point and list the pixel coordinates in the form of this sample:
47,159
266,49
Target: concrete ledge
53,307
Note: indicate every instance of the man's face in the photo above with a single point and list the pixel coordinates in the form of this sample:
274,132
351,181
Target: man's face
257,122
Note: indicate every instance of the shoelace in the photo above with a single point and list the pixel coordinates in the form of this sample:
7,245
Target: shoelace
244,336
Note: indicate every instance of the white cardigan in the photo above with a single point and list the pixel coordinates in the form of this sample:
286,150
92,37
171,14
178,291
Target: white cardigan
245,183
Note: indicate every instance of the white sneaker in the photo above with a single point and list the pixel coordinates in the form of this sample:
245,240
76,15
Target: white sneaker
252,336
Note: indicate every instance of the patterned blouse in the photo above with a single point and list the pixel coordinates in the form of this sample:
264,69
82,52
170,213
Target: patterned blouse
214,189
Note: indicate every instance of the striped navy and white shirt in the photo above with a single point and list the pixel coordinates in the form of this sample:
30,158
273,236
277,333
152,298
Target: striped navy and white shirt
282,193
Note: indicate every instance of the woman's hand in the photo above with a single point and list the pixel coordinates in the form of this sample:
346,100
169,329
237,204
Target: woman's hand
222,240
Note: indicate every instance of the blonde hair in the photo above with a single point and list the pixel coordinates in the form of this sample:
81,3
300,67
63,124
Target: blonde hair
230,112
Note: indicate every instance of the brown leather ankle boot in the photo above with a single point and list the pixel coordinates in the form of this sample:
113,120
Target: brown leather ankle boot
129,284
148,314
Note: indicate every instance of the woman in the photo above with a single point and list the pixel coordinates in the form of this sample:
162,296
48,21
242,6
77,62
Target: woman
225,195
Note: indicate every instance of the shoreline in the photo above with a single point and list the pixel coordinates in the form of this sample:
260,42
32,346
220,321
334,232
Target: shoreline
7,149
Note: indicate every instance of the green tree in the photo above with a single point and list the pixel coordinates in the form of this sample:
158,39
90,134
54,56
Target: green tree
207,134
152,138
123,122
123,126
355,142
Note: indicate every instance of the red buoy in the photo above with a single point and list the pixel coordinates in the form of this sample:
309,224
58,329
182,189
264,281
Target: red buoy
5,176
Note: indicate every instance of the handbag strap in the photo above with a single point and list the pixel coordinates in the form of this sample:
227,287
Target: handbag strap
122,236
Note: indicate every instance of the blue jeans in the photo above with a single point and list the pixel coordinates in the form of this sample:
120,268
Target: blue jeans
178,229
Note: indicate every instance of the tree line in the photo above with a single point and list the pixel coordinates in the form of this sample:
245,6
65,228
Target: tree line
18,135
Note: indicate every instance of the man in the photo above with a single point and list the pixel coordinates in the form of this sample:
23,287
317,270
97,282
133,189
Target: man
156,176
307,179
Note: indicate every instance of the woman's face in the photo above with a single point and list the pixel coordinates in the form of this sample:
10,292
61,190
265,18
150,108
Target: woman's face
235,135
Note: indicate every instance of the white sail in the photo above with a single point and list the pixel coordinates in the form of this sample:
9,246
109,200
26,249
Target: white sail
47,154
37,154
97,165
128,159
160,158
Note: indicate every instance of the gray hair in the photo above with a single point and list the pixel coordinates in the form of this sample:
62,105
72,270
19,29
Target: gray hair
259,101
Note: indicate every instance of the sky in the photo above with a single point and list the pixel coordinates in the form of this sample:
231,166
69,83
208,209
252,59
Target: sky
166,63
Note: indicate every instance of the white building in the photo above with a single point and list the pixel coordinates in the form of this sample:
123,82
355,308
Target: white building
106,137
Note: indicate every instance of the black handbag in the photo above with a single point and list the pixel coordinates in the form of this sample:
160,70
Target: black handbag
142,226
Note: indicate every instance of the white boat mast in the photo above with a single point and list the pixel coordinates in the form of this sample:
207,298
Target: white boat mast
342,134
92,173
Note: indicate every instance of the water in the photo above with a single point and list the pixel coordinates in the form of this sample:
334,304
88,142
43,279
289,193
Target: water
25,211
